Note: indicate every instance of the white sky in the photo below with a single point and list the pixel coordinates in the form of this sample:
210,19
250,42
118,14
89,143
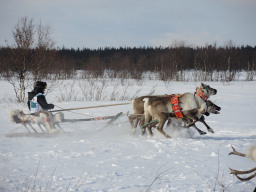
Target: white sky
135,23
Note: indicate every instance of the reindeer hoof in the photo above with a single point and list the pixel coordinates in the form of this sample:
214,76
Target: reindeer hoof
210,130
203,133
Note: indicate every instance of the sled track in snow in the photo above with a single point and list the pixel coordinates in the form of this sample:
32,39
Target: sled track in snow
42,135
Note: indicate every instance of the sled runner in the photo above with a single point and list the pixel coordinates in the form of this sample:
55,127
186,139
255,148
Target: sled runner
40,135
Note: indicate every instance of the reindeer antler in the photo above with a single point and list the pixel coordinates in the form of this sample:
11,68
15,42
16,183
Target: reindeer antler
236,152
236,172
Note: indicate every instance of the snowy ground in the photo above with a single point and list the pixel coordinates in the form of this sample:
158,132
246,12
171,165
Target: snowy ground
94,157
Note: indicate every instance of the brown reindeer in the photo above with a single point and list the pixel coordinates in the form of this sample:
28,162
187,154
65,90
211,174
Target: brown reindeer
138,109
193,106
153,112
251,153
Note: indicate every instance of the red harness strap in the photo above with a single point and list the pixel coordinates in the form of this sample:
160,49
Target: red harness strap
175,106
200,94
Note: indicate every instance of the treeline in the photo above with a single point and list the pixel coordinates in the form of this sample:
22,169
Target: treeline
208,63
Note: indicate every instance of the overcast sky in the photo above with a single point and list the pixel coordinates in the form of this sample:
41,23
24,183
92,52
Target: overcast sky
135,23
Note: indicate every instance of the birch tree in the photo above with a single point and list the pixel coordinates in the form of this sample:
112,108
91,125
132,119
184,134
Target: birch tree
31,54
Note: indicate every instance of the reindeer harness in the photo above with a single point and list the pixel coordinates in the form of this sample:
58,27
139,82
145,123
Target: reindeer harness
175,106
200,93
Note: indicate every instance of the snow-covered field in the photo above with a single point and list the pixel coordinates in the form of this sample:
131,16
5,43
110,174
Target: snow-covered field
96,157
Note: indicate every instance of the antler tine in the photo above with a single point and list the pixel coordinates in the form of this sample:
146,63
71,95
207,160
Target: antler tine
246,178
234,152
236,173
233,171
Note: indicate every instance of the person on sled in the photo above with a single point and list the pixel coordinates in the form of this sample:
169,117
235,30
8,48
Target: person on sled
38,105
36,98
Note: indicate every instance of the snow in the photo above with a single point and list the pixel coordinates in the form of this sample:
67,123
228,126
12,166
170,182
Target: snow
96,157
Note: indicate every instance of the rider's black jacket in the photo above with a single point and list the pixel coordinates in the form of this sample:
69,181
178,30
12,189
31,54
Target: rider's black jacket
40,99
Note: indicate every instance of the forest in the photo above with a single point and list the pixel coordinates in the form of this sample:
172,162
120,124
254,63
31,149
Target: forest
209,63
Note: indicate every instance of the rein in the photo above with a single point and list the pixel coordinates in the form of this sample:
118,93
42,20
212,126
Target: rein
149,123
89,107
70,109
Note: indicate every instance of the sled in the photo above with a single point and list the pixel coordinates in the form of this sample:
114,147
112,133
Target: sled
42,133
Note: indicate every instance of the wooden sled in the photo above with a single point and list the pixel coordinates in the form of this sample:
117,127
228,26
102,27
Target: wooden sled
35,133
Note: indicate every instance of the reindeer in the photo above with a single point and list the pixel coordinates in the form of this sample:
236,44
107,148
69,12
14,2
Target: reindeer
138,109
138,116
250,154
211,108
193,106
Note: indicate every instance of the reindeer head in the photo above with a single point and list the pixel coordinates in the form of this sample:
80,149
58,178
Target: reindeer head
212,108
206,89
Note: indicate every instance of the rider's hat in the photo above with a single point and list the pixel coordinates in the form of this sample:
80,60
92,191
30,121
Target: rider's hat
40,84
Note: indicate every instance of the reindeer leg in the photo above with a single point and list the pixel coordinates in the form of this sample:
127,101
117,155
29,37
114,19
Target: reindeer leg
191,123
131,120
141,120
147,120
161,125
207,126
196,128
160,129
136,122
133,127
142,123
199,130
169,121
150,127
190,115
